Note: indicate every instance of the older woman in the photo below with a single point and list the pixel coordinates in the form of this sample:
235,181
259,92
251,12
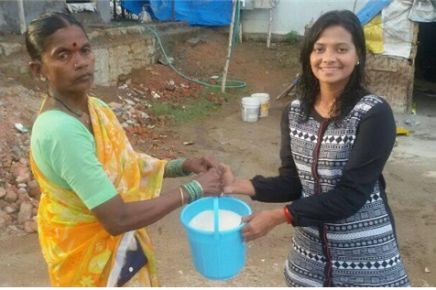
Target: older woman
336,140
98,194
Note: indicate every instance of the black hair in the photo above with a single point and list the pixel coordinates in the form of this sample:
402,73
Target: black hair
309,84
42,27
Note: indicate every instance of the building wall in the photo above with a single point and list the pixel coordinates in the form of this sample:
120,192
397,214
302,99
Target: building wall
293,14
9,16
118,50
129,48
135,50
9,19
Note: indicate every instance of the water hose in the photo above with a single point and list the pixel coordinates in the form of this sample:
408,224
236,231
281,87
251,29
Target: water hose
233,84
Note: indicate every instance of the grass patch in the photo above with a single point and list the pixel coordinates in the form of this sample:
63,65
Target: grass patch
194,109
293,37
188,111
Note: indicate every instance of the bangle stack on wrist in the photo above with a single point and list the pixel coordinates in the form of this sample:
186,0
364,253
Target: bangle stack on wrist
194,189
174,168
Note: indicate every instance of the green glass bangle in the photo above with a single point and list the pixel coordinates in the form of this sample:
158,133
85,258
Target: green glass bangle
191,192
194,189
199,189
173,168
192,197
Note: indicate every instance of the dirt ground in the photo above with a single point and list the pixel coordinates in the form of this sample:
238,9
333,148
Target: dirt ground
252,149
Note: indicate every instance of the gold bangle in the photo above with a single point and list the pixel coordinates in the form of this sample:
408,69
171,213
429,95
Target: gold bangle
182,196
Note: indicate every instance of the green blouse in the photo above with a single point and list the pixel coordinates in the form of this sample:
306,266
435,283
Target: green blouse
64,151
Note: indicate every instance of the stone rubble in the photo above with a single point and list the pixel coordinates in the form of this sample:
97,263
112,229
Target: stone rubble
20,192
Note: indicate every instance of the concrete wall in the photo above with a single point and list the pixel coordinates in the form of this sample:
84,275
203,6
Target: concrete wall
134,49
9,20
9,16
129,48
118,50
293,14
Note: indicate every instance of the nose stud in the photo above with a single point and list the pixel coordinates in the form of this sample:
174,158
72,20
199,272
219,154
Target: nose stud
75,65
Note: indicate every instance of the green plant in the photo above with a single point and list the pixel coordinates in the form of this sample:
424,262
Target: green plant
293,37
188,109
283,65
193,109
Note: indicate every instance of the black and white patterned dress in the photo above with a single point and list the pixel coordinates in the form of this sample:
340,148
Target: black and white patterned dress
344,229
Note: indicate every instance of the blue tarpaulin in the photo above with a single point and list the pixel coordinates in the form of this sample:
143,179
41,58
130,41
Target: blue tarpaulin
196,12
371,9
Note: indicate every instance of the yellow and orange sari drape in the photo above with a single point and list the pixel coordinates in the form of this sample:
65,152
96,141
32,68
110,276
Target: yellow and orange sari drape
78,250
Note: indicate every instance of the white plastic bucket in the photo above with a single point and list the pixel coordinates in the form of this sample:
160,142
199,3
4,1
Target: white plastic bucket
250,109
264,103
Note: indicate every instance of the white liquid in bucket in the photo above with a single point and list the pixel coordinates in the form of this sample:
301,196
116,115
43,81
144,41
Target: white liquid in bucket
250,109
264,103
206,220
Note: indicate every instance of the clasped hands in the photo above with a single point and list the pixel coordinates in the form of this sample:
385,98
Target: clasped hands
214,177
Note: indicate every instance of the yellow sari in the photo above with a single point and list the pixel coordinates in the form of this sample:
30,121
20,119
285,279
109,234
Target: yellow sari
77,249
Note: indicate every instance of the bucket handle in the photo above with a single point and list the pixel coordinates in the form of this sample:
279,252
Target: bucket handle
216,218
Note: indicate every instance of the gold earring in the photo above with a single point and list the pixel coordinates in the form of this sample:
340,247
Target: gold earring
358,62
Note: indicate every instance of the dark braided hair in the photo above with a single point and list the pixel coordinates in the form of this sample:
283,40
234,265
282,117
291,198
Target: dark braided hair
309,84
42,27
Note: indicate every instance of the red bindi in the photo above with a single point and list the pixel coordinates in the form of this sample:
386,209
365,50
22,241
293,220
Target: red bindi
74,44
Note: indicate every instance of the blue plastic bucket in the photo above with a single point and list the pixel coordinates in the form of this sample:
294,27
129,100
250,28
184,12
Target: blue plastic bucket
216,255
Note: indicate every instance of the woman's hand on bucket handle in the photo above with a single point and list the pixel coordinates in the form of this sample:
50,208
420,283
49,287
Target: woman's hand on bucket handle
211,182
261,223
